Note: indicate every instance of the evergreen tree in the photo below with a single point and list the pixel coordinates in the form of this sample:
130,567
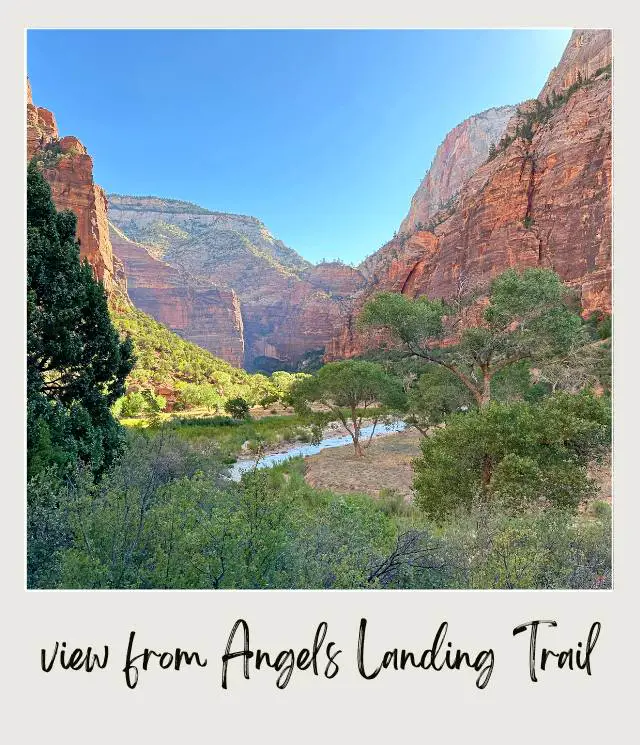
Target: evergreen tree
76,362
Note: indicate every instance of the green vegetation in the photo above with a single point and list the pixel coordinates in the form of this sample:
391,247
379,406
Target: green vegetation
519,455
237,407
527,318
542,112
165,518
349,385
49,155
136,403
434,396
198,379
76,363
233,436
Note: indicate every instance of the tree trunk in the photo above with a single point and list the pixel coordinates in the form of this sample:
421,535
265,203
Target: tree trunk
356,433
486,389
487,472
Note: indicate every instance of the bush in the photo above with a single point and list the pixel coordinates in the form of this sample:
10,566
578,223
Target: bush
238,408
133,404
517,455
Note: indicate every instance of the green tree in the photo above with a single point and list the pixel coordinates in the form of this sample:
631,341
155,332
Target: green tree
76,362
437,394
132,404
199,395
237,407
352,385
516,455
528,317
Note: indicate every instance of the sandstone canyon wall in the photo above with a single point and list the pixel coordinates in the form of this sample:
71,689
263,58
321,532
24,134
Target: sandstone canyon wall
289,308
544,200
199,311
463,150
68,168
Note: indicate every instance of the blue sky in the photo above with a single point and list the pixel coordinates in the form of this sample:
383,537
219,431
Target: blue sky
323,135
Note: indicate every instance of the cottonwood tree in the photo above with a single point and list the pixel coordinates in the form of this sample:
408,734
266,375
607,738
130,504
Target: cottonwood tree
514,455
528,317
436,394
353,385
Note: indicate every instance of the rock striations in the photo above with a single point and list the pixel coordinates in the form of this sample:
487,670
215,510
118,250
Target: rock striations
544,200
288,307
69,170
464,149
197,310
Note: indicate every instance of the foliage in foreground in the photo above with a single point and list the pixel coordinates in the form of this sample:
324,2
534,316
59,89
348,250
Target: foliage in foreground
165,517
519,455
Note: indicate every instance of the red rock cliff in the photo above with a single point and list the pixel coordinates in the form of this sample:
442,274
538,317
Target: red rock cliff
198,311
543,201
289,307
464,149
68,168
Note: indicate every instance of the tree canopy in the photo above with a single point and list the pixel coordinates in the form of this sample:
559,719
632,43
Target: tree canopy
76,361
518,454
528,316
353,385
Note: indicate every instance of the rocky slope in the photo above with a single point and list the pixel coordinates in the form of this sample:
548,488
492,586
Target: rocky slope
588,51
199,311
464,149
288,307
69,170
543,200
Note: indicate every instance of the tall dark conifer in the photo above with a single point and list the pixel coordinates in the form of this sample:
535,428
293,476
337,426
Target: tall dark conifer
76,362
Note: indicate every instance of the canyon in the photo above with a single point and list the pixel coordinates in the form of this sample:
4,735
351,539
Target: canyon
542,199
513,186
284,308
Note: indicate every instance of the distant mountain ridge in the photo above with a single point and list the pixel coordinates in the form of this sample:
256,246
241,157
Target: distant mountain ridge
289,308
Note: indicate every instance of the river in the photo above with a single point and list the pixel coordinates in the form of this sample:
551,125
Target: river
304,450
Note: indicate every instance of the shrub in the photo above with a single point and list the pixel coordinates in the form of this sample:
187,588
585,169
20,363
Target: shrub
132,404
516,455
237,407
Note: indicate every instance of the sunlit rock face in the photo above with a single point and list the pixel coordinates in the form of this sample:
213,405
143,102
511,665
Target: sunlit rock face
464,149
540,202
195,309
68,168
288,308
